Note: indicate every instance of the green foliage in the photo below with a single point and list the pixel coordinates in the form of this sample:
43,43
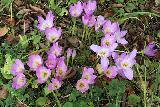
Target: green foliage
7,67
133,99
73,96
120,1
5,4
68,104
130,6
41,101
116,87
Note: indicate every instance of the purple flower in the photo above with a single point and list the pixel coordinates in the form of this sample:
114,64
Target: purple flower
82,85
17,67
110,28
104,52
51,61
48,23
88,75
124,64
85,19
61,68
90,7
92,21
119,36
55,50
53,34
43,74
56,84
69,53
34,61
76,9
108,41
19,81
111,72
149,50
100,21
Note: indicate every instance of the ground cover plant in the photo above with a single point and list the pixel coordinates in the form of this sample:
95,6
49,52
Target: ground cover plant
79,53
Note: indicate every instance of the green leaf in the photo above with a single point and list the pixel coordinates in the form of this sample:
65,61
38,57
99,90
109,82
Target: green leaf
72,1
130,6
41,101
116,87
35,84
68,104
83,104
7,67
36,39
134,99
120,1
63,12
46,91
73,96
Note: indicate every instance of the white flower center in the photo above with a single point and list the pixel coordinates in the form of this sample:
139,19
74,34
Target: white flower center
103,52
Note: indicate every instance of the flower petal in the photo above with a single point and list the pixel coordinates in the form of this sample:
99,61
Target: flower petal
128,73
104,63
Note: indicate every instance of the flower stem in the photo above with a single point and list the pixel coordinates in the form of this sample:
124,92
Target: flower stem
84,30
57,100
74,25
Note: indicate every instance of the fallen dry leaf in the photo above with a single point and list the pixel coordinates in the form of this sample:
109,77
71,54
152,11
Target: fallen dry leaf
70,73
3,93
23,11
37,9
117,5
3,31
11,21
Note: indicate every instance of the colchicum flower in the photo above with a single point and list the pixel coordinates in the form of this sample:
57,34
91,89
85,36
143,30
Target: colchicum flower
85,19
90,7
111,72
19,81
124,64
55,50
119,36
82,85
17,67
108,41
99,22
54,85
92,21
110,28
44,24
61,68
34,61
104,52
69,53
51,62
76,9
43,74
53,34
149,50
88,75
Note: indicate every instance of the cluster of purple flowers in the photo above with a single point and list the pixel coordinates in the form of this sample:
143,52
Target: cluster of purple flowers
112,36
44,69
17,70
87,78
47,26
